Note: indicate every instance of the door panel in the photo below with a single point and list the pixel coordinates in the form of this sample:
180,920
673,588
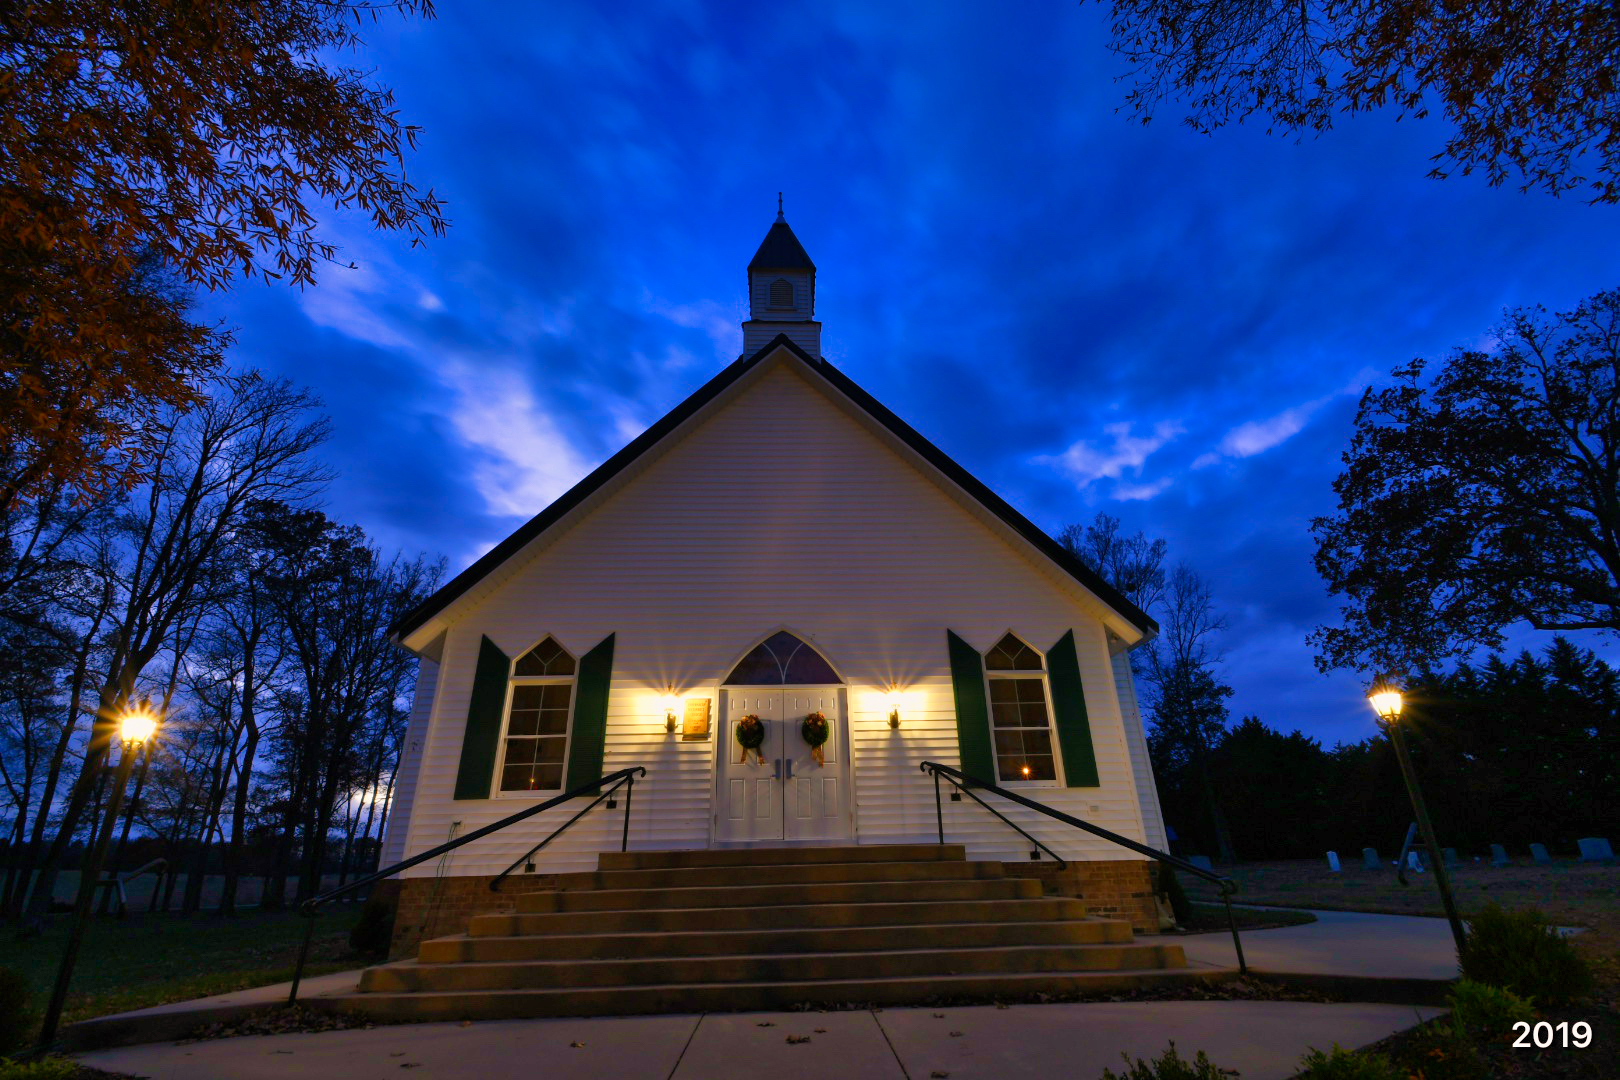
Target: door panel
816,793
751,793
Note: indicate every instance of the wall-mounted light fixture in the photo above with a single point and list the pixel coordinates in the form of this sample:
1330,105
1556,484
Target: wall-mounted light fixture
894,708
671,702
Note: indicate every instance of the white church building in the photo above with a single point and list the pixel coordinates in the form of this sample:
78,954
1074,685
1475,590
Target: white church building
779,545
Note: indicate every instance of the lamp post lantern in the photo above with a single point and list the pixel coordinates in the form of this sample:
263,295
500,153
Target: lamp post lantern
1386,702
136,726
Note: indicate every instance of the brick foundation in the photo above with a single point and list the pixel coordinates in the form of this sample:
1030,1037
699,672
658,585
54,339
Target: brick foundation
437,907
1121,889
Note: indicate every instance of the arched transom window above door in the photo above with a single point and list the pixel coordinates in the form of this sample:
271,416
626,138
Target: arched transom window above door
536,741
1020,711
783,660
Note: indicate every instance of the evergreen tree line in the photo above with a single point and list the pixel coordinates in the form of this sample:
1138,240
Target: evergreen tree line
254,625
1511,751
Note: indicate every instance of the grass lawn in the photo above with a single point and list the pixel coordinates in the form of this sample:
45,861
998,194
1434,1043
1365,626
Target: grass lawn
153,959
1207,918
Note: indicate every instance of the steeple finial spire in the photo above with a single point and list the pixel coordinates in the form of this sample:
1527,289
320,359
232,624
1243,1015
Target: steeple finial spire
779,216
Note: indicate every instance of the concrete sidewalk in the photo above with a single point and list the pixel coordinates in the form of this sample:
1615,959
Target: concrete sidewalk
1349,944
1263,1040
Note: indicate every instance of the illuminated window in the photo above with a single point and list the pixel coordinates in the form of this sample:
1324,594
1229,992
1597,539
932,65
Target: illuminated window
781,294
536,742
1020,712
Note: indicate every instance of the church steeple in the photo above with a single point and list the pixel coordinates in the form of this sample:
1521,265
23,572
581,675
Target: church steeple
781,292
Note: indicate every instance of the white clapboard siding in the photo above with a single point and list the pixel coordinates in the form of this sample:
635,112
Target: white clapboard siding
410,762
779,510
1147,788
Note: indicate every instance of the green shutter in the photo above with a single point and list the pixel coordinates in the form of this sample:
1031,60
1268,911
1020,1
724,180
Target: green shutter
1069,712
587,740
479,742
972,712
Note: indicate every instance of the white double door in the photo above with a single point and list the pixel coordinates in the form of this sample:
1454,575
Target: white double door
788,795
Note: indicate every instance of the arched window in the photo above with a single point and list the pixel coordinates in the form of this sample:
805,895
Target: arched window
781,294
1020,711
783,660
536,742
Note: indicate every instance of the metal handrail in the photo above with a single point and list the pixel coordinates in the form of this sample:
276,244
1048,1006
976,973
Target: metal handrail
310,908
1227,885
624,840
1062,863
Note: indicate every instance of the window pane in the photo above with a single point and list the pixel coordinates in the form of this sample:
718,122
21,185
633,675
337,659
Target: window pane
1010,654
782,658
515,778
553,722
1040,768
519,751
1009,743
527,697
554,696
548,776
1034,714
546,658
1005,716
549,750
1031,690
1038,742
1003,689
524,722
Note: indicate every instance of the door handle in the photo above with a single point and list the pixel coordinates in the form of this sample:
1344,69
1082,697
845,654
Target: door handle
790,768
777,775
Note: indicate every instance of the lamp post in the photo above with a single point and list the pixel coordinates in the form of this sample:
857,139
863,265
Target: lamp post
135,727
1386,702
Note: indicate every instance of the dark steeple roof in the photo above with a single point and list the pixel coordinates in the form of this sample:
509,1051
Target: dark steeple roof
781,250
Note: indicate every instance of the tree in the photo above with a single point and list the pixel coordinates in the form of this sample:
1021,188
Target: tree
248,441
158,143
1186,701
1485,498
1132,564
1528,88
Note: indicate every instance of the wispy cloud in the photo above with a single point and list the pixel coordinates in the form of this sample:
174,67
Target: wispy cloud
1257,436
527,461
1122,455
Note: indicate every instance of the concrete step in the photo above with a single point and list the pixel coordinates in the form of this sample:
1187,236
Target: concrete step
861,892
776,856
709,942
413,977
658,919
782,874
723,997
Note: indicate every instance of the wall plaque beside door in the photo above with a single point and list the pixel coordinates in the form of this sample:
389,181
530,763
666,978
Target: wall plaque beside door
695,724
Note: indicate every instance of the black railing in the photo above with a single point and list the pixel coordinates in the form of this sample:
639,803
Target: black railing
963,782
311,908
527,859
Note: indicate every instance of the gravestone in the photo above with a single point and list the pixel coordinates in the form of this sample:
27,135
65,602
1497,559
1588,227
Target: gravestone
1498,855
1450,855
1369,858
1200,861
1333,861
1538,852
1414,862
1595,849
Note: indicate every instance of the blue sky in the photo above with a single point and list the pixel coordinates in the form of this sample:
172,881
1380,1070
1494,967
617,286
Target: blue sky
1087,313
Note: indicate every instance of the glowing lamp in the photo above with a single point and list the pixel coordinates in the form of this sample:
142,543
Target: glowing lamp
1386,702
671,703
894,708
1026,772
137,725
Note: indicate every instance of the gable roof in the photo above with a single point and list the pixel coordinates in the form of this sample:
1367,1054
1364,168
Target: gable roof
781,250
604,473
